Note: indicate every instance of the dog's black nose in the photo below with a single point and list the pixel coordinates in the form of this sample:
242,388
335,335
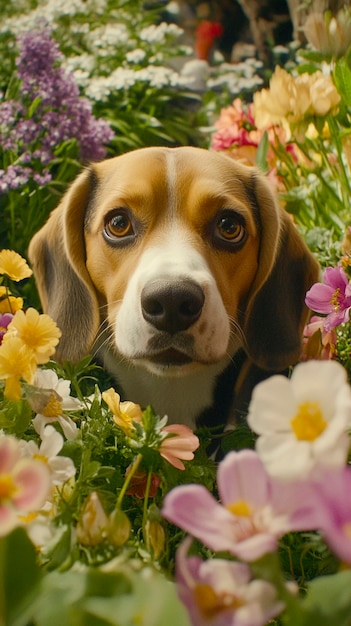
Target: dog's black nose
172,306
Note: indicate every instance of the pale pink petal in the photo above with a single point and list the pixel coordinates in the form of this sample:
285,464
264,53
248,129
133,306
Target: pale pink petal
173,460
9,454
195,510
8,519
32,478
255,546
241,476
180,446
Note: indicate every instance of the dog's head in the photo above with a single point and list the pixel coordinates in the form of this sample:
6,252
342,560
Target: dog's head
185,253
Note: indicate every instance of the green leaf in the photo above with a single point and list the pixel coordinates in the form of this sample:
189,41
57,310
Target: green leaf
342,77
262,152
115,598
329,599
15,417
20,576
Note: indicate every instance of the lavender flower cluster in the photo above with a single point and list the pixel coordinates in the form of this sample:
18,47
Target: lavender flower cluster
47,111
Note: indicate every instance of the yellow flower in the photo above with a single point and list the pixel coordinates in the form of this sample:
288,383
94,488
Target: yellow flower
9,303
124,413
16,362
323,93
13,265
292,99
37,331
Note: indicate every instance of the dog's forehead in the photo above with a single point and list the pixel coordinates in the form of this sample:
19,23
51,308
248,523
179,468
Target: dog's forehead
156,171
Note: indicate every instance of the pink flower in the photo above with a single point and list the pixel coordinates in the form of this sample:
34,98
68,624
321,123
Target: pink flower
318,343
24,484
255,511
332,511
219,592
5,320
332,297
179,445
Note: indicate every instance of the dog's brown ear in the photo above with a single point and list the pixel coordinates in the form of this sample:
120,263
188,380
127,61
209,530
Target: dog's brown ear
57,255
275,311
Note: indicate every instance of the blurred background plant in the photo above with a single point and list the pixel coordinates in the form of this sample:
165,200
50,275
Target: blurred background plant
298,131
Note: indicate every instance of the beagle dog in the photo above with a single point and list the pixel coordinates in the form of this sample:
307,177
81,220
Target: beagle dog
180,271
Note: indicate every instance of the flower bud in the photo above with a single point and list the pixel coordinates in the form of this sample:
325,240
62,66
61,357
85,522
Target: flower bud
155,537
119,528
93,522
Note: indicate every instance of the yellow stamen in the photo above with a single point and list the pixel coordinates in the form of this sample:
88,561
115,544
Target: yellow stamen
54,407
335,300
308,422
28,517
210,603
241,508
41,457
347,530
7,487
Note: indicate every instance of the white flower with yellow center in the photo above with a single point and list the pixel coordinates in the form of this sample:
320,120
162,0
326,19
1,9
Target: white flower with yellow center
61,468
302,422
51,400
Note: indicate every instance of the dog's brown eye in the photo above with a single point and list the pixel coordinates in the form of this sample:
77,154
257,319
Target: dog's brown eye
119,225
230,229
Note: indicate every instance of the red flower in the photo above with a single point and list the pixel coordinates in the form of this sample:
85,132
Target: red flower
138,484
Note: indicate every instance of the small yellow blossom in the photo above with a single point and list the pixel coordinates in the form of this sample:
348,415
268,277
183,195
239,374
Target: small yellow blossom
9,303
124,413
37,331
16,362
13,265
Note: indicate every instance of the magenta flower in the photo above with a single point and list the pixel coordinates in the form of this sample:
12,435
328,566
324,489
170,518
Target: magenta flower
332,297
218,592
24,484
254,513
5,320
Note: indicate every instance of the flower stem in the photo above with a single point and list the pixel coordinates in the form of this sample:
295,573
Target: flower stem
128,479
146,499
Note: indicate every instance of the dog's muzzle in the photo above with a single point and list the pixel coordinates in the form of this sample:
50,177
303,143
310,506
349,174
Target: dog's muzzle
171,307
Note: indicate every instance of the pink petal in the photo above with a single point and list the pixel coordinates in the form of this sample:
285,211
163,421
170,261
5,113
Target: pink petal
319,297
9,454
8,520
33,480
241,476
336,278
194,509
173,460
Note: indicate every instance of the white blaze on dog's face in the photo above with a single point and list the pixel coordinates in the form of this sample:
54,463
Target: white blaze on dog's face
172,248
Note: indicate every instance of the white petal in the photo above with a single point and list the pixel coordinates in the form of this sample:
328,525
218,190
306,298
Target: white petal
272,406
319,381
285,457
52,442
